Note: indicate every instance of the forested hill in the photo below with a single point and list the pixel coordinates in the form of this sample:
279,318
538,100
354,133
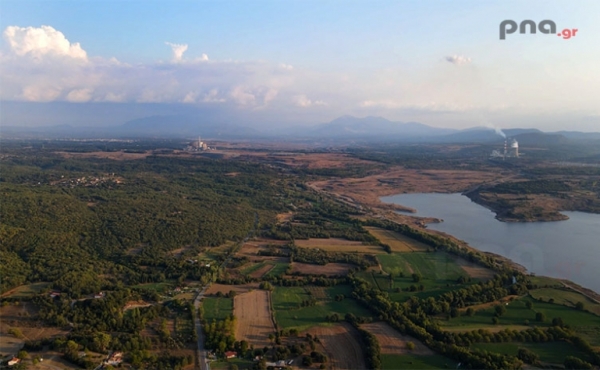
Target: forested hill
87,224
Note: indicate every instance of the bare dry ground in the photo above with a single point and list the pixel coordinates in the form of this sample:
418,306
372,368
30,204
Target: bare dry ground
135,304
330,269
396,241
238,289
53,361
284,217
475,271
252,247
338,245
342,346
392,342
396,180
253,313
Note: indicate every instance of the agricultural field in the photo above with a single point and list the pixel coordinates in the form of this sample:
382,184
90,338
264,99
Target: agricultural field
566,297
410,361
289,314
278,269
226,365
338,245
217,308
392,342
225,289
330,269
253,313
438,273
159,288
435,265
517,313
342,345
552,352
397,241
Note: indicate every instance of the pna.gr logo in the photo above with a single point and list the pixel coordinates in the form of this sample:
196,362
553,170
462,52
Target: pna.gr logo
528,26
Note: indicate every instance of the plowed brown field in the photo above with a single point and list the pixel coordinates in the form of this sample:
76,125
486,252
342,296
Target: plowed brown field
253,314
392,342
342,346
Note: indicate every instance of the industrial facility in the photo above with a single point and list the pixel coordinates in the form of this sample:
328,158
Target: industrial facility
510,151
197,146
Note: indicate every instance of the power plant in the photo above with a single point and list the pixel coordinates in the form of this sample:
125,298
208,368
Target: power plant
197,146
510,151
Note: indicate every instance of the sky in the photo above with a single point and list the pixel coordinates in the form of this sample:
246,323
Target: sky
299,62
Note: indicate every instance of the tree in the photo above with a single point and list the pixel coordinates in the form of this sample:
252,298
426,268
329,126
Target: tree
470,311
527,356
22,355
416,277
410,346
576,363
540,317
579,305
454,312
500,310
529,305
495,320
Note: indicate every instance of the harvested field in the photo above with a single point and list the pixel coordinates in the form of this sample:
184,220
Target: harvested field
135,304
338,245
253,313
22,314
239,289
397,241
317,292
330,269
475,271
392,342
342,346
251,248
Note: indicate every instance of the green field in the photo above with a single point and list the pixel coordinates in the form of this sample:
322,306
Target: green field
241,364
255,267
553,352
438,271
543,281
408,361
288,315
278,270
217,308
566,297
435,266
516,313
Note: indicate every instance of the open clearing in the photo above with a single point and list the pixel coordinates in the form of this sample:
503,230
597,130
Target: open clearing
9,345
342,346
392,342
338,245
330,269
253,314
397,241
414,362
26,291
553,352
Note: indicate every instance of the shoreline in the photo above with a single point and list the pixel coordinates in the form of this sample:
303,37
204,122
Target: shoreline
587,292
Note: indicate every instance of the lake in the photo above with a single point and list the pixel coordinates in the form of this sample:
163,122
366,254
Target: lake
567,249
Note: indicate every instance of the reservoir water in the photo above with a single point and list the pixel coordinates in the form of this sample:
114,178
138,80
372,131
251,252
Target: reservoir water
567,249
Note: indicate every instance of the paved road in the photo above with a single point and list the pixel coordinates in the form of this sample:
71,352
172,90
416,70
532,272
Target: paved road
202,353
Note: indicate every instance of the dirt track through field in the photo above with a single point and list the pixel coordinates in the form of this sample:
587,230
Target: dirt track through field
253,314
392,342
342,345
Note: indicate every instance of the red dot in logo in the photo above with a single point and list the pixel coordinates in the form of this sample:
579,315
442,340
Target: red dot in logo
558,34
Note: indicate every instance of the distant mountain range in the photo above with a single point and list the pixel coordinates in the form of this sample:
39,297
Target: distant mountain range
345,128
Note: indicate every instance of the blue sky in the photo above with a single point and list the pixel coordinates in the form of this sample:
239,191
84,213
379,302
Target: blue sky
303,62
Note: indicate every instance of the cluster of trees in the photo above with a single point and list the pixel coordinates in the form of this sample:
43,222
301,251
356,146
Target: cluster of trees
220,335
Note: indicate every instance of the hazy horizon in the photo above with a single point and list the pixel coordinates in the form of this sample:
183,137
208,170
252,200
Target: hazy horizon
275,64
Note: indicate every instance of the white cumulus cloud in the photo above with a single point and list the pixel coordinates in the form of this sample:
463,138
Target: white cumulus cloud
178,50
41,41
